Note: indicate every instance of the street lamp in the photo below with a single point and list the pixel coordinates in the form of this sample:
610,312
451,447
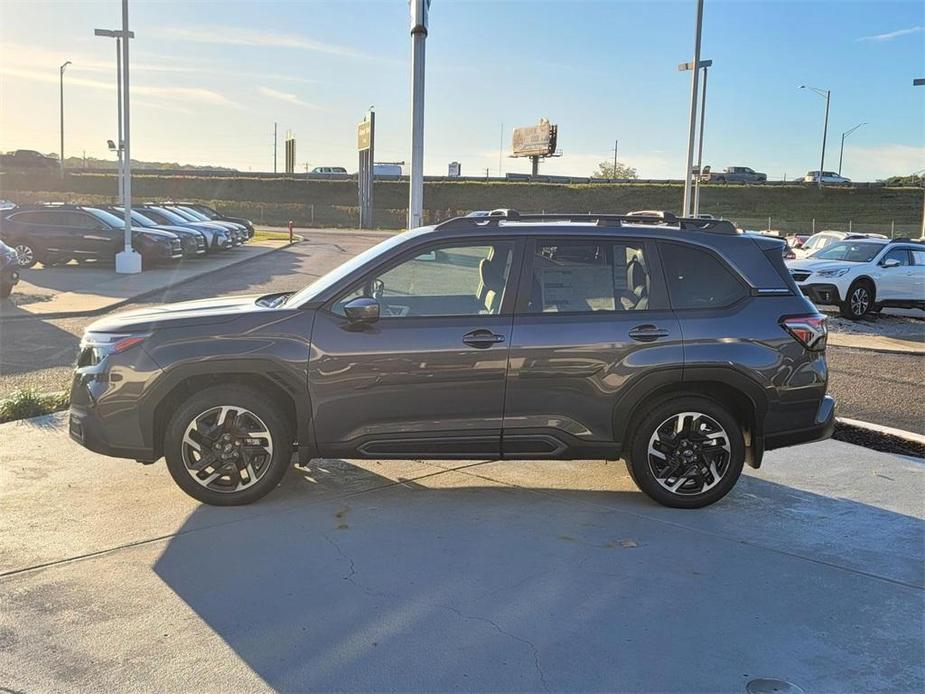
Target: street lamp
117,35
827,95
698,30
705,65
419,10
61,102
920,82
841,151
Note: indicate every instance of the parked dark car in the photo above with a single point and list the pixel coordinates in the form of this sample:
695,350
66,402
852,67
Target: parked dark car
218,238
215,215
55,234
237,231
192,240
684,348
9,270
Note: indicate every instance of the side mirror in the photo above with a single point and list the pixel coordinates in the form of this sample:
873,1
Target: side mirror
890,262
362,311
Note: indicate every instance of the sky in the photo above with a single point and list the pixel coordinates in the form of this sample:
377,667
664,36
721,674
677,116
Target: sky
209,79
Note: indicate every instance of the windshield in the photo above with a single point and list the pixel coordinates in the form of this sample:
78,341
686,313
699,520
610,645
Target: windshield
195,214
107,217
849,251
182,214
171,217
358,261
139,219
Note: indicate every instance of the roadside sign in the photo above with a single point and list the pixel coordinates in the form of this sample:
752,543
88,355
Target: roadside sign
455,169
363,138
535,141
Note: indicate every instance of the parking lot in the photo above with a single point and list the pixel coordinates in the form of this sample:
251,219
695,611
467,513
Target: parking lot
475,576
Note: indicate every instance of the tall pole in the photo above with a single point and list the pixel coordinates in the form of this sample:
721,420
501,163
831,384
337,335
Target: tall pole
616,143
418,37
128,261
119,143
61,103
920,82
274,147
841,150
693,116
825,131
703,114
500,151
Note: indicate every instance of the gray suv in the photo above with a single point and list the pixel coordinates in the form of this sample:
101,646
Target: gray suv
679,345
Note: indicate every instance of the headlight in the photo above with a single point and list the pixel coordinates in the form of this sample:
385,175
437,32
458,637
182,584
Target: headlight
94,347
836,272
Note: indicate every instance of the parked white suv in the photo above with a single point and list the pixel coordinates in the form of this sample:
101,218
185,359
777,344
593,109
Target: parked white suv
817,242
828,178
864,274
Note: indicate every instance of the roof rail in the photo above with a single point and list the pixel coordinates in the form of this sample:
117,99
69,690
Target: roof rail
717,226
905,239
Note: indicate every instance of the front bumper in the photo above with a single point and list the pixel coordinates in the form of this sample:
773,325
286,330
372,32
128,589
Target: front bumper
826,294
822,428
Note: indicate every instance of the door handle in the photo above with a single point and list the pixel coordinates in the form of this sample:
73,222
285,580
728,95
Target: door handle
482,339
647,333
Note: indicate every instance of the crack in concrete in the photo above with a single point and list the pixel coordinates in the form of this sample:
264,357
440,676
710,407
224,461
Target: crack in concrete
353,570
515,637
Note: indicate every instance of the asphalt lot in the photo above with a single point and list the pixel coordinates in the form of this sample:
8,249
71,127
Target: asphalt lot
878,387
469,576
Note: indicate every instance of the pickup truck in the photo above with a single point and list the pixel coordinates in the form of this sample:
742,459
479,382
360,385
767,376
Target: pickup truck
27,159
732,174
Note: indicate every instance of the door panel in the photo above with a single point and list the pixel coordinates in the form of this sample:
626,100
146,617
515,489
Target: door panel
592,318
428,377
895,283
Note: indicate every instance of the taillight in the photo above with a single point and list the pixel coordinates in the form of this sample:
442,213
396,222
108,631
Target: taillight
809,331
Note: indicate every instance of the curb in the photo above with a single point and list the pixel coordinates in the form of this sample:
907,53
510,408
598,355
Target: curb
143,295
881,349
880,429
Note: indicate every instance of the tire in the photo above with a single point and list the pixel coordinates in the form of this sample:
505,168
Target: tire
876,308
686,455
27,254
196,427
858,301
6,288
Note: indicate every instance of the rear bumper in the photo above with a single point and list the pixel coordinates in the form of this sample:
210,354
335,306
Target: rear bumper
822,428
821,293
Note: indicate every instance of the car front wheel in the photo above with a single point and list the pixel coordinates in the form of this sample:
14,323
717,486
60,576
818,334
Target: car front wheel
228,445
26,253
687,452
858,302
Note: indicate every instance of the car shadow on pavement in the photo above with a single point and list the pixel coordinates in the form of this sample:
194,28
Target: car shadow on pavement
452,581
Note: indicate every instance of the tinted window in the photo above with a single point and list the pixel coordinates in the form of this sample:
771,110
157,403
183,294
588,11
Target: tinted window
78,220
697,279
588,276
849,251
441,281
918,257
900,254
107,217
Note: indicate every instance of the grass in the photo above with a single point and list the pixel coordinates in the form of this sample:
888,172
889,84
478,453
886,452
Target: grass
261,235
29,402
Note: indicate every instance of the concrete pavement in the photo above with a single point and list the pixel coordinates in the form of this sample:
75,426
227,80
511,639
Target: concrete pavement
72,290
484,576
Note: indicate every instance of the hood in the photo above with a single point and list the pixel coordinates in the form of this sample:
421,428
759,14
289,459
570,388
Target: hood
200,312
815,265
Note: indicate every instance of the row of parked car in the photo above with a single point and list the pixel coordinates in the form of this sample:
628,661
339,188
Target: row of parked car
859,273
57,233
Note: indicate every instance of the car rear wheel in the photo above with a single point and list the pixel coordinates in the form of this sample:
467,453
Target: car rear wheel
26,253
687,452
228,445
859,300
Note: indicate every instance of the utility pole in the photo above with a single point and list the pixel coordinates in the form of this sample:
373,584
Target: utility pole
128,261
827,95
616,143
841,151
419,10
61,102
500,151
274,147
686,209
920,82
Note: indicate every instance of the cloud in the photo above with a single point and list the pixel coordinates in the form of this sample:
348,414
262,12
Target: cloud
232,36
892,34
883,161
284,96
188,94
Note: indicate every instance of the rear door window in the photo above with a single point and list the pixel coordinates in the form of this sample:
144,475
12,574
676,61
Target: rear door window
698,279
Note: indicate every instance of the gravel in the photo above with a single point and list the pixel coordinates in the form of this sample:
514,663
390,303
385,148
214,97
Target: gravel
884,325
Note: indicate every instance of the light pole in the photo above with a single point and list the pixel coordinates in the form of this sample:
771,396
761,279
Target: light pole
61,103
827,95
419,10
117,35
693,118
841,151
128,261
920,82
704,64
616,144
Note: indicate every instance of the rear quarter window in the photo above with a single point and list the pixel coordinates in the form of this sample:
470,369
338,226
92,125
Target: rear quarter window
698,279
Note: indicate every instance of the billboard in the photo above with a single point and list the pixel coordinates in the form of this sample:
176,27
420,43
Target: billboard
535,140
